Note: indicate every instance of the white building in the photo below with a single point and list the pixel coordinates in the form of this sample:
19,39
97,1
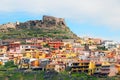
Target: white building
4,58
109,44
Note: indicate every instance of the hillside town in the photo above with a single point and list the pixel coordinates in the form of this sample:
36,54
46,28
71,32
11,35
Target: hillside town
92,56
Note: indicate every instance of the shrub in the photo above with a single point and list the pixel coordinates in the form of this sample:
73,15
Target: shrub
9,64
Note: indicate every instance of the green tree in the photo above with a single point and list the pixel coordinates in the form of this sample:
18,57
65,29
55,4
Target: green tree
9,64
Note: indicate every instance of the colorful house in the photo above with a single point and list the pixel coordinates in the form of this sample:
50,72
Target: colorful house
97,70
3,49
105,69
56,44
80,66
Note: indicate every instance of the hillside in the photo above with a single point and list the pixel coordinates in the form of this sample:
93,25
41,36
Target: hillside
47,27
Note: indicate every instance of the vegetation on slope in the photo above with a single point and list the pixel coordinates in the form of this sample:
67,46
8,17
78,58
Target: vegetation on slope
29,33
48,75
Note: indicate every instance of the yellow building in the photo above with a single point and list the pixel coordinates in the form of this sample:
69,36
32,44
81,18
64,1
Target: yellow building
68,46
80,41
70,55
42,55
80,66
91,68
28,55
90,41
35,54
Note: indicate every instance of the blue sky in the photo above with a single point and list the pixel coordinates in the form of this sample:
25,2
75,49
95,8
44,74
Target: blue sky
94,18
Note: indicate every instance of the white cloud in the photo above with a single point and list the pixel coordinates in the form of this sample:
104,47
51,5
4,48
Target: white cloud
105,12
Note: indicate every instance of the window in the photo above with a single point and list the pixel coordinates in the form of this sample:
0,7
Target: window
26,46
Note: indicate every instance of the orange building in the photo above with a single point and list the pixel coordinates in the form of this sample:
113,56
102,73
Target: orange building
56,44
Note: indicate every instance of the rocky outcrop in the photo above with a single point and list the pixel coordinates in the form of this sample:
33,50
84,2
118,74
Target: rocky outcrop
47,21
54,20
6,27
48,26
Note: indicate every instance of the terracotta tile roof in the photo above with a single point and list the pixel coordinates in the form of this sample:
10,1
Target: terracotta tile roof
98,63
84,61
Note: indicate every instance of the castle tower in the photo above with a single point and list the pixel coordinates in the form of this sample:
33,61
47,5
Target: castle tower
17,23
